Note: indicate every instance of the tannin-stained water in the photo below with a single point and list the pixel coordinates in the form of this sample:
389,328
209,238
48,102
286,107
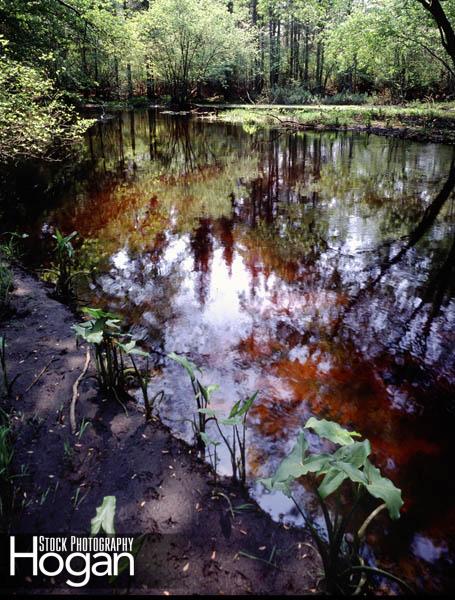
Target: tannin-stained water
317,268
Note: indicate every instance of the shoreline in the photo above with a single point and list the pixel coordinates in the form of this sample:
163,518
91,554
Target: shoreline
421,123
162,488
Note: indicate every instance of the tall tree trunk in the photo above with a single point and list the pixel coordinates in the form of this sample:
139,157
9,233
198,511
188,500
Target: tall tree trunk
446,30
149,82
129,77
307,51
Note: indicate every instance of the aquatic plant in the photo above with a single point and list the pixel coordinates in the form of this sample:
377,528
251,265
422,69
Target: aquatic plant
104,518
237,443
143,377
111,347
64,269
213,458
344,568
201,393
10,248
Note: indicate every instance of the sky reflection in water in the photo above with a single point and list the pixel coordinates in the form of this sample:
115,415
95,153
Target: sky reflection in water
317,268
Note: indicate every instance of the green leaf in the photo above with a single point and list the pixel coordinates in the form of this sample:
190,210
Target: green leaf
331,482
208,390
382,488
231,421
208,441
331,431
207,411
292,466
104,518
98,313
131,348
281,486
91,332
189,367
356,453
235,409
352,472
239,409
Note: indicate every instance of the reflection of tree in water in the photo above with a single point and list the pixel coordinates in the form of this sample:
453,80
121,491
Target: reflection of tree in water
433,285
201,243
224,228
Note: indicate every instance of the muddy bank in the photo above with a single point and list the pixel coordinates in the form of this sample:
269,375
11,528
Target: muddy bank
161,487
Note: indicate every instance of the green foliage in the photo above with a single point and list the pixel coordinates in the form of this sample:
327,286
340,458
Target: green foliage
201,393
236,420
190,42
34,120
349,462
64,264
104,518
10,248
111,348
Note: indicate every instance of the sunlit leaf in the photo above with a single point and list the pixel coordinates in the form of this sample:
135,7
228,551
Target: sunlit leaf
331,431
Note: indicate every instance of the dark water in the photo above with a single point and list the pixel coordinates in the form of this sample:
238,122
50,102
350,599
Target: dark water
317,268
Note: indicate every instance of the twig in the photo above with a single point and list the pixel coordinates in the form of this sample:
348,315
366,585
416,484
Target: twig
40,374
75,392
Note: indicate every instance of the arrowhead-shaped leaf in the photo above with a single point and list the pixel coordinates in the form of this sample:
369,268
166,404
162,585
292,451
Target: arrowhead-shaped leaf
189,367
382,488
281,486
292,465
331,431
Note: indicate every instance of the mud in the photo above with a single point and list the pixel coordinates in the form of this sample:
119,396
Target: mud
162,489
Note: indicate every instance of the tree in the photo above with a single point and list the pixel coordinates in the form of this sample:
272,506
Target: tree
434,7
34,120
191,42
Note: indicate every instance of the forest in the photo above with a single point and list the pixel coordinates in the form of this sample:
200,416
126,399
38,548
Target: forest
58,54
227,297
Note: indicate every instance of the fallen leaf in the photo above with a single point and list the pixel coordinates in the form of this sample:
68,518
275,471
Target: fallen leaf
186,567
